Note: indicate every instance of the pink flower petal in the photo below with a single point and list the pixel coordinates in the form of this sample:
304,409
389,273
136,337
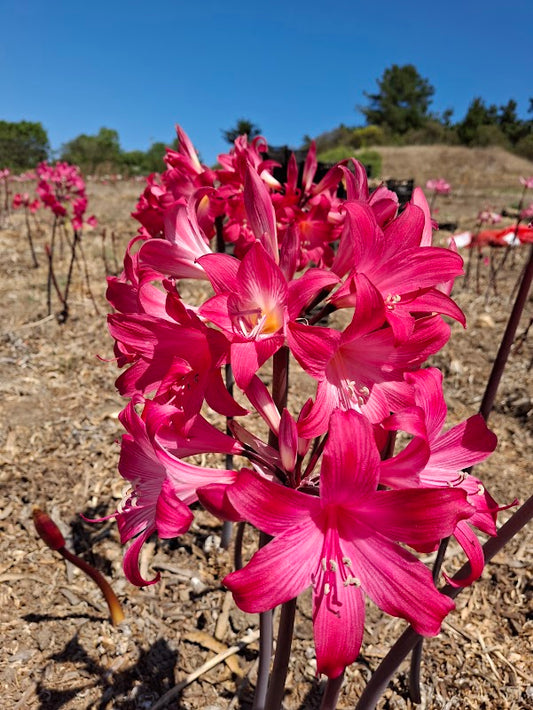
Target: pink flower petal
273,575
398,583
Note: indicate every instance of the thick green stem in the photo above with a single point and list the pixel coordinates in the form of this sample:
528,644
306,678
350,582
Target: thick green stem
49,281
64,313
416,658
30,239
227,525
266,640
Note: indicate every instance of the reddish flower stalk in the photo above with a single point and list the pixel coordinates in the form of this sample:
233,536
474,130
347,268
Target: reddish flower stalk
407,641
51,534
485,409
52,281
271,694
30,239
526,184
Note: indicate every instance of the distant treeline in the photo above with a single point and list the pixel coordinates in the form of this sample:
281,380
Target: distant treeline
397,114
24,144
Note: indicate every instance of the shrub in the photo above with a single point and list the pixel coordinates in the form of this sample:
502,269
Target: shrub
490,135
524,147
370,158
368,135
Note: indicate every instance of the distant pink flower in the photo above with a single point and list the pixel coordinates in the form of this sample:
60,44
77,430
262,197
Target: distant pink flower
439,186
527,182
527,212
23,200
486,216
344,543
20,199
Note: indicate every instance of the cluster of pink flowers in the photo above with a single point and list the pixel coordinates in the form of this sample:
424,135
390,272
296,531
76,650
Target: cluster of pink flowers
23,199
527,212
339,511
487,216
61,189
439,186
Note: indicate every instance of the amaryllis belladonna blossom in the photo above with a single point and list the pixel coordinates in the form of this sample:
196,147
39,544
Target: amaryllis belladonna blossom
344,543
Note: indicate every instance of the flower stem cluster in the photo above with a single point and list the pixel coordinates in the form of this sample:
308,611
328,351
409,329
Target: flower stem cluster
60,189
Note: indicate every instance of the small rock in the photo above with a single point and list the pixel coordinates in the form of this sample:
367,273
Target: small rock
485,320
212,542
198,587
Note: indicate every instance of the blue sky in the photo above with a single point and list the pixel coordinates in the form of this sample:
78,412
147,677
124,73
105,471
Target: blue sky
292,67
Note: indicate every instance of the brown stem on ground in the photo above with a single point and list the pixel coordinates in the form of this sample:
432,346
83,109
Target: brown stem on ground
51,534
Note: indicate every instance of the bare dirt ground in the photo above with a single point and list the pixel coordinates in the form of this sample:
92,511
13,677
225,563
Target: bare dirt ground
59,450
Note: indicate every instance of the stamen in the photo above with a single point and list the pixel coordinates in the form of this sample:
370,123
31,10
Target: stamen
324,564
391,301
333,565
327,589
347,561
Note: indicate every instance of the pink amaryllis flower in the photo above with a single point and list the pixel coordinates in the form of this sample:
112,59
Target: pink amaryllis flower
162,485
405,273
437,458
362,368
342,543
439,186
184,241
250,307
527,182
178,357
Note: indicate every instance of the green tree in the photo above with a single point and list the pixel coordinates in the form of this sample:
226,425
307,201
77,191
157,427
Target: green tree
477,115
511,126
94,153
132,162
402,101
242,127
23,144
153,158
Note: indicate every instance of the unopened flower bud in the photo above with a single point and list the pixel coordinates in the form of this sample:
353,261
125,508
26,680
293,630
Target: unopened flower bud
48,530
